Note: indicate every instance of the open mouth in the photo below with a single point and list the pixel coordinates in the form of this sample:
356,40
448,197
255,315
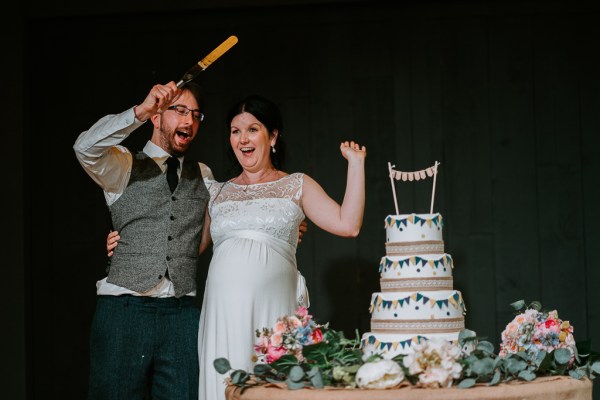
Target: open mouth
247,150
183,137
182,134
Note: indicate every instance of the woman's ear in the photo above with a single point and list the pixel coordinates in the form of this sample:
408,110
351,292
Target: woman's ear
274,137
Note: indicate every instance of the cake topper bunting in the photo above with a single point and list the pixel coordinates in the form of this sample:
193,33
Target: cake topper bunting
413,176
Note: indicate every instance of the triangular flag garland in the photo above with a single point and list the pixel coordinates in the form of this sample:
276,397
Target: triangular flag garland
413,219
455,300
404,344
415,261
413,176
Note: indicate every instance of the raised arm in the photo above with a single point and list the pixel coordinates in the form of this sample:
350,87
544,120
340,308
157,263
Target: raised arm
345,219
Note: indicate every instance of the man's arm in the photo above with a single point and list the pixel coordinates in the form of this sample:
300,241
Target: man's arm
100,155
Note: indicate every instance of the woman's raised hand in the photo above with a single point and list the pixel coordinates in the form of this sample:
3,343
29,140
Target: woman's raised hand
353,151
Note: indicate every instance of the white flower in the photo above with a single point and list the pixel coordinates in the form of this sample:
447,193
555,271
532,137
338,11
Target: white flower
379,375
435,363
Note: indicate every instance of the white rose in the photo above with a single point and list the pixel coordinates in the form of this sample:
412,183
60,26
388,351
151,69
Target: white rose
379,375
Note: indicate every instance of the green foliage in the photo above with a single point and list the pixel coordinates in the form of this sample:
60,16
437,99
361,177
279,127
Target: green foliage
332,362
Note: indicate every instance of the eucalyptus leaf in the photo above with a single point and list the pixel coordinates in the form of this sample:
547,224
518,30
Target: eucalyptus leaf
499,362
296,374
544,360
239,377
577,373
595,367
262,369
514,366
518,305
222,365
496,378
294,385
483,367
316,379
486,347
562,356
465,334
536,305
466,383
527,375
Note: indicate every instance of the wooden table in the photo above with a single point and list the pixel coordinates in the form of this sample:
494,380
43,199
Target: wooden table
545,388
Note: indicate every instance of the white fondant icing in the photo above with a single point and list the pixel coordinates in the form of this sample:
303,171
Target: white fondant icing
417,299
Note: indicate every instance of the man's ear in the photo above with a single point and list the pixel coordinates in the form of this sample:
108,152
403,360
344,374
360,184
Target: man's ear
155,120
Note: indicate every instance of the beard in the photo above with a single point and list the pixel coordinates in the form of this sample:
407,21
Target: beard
169,143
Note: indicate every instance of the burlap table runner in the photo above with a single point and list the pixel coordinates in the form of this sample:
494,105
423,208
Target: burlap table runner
545,388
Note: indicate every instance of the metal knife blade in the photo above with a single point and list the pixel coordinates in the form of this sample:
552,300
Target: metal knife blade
208,60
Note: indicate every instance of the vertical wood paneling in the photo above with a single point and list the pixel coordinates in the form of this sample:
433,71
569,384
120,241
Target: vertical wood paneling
513,165
466,168
331,110
557,127
589,99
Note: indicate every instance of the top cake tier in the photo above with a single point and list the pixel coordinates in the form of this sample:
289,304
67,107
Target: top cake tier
414,234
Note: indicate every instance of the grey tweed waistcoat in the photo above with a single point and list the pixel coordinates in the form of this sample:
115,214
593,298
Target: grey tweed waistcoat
160,231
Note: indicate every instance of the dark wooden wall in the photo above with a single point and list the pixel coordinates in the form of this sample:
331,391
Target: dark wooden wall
505,95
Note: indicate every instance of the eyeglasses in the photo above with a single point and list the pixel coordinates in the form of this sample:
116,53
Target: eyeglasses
184,111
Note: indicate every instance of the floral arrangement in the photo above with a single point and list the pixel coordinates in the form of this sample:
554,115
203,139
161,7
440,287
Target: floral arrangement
298,352
533,331
289,335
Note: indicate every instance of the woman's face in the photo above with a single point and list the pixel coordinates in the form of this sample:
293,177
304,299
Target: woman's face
251,142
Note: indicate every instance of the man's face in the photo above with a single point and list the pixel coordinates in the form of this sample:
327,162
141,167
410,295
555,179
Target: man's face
176,131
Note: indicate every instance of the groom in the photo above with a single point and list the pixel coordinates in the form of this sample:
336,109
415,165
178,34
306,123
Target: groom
144,333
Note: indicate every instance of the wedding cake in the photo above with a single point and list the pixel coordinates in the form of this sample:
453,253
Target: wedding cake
417,300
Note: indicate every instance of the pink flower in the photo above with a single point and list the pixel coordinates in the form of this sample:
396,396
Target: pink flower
275,353
277,340
279,327
302,312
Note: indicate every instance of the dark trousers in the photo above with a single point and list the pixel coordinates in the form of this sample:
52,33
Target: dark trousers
143,345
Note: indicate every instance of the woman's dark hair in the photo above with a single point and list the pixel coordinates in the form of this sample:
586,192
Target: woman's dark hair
269,115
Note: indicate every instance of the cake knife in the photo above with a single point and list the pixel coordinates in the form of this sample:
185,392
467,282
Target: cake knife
208,60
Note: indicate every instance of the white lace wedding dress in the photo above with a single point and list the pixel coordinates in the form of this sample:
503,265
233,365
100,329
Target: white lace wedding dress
252,278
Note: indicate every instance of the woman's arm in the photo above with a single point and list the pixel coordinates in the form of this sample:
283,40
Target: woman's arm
206,238
345,219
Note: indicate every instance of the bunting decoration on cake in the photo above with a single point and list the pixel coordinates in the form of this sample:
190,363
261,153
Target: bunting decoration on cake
416,261
386,346
413,176
455,300
415,220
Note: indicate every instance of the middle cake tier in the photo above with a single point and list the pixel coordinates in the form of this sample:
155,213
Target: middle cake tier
416,273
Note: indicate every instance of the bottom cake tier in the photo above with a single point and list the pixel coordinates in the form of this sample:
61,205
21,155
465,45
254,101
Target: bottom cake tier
389,345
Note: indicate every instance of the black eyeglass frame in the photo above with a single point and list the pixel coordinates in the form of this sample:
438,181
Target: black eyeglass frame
182,110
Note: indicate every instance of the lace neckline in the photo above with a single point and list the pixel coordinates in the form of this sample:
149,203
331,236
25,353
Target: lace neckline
246,186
